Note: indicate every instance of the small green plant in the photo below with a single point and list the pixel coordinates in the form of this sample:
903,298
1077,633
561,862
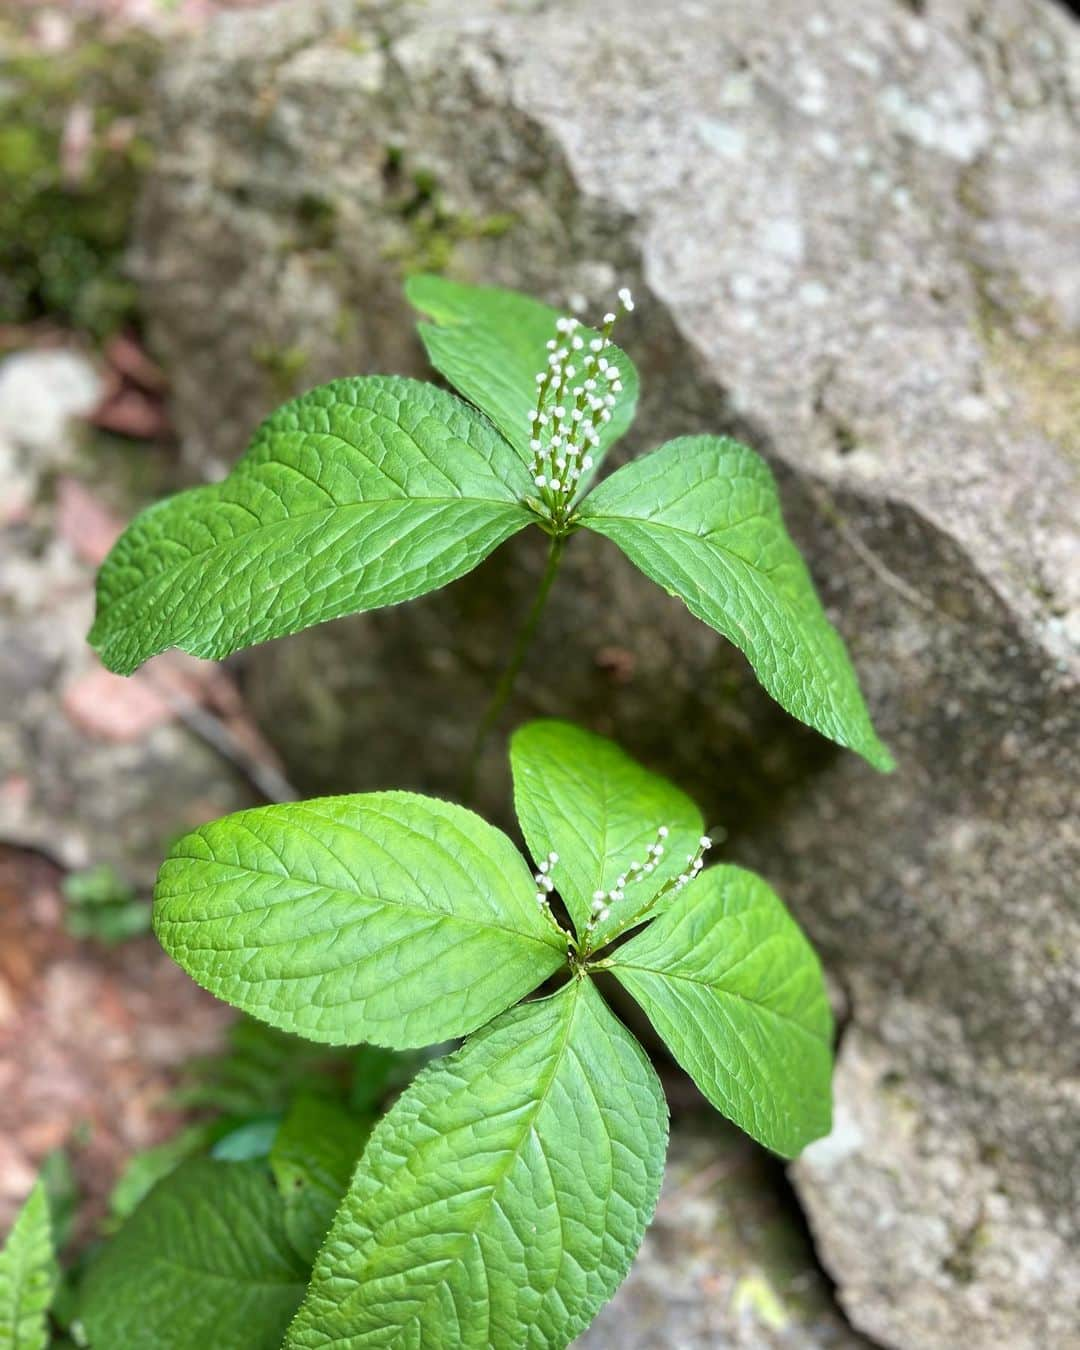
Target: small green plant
502,1198
102,905
369,491
282,1123
29,1275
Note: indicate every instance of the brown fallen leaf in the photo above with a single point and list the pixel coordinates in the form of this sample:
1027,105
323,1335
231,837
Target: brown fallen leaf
126,355
175,685
112,708
130,411
616,662
82,521
91,1044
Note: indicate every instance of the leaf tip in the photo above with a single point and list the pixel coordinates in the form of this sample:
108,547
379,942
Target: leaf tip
878,755
101,641
417,290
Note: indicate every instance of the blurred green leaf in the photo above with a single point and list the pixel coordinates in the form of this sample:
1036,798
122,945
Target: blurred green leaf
251,1140
312,1159
28,1276
103,906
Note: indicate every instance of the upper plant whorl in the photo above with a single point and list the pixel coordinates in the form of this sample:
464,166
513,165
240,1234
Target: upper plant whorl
563,432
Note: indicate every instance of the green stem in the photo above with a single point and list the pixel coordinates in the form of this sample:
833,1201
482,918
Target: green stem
637,917
507,680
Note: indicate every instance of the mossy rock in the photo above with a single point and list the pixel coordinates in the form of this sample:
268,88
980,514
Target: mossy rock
63,236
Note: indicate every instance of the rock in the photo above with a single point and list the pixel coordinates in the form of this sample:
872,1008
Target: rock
41,392
722,1263
850,235
93,769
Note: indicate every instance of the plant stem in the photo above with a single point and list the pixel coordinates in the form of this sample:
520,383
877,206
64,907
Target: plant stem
508,678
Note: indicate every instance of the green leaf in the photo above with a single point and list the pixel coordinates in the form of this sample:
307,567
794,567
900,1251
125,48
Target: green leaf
490,344
62,1191
261,1071
203,1262
362,493
501,1200
730,982
580,796
247,1141
377,1072
701,517
28,1276
387,917
102,905
312,1160
145,1169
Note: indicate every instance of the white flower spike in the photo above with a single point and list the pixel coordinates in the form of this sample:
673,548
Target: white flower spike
559,431
602,901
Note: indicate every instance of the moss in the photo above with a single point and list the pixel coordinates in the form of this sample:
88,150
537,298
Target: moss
62,243
345,325
754,1294
358,43
962,1262
433,228
125,474
433,238
1027,341
1047,371
284,365
317,219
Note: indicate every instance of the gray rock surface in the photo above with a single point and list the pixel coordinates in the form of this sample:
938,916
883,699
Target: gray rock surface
93,769
721,1264
851,231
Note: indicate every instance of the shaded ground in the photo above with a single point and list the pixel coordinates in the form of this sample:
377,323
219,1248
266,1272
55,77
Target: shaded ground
92,769
90,1041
